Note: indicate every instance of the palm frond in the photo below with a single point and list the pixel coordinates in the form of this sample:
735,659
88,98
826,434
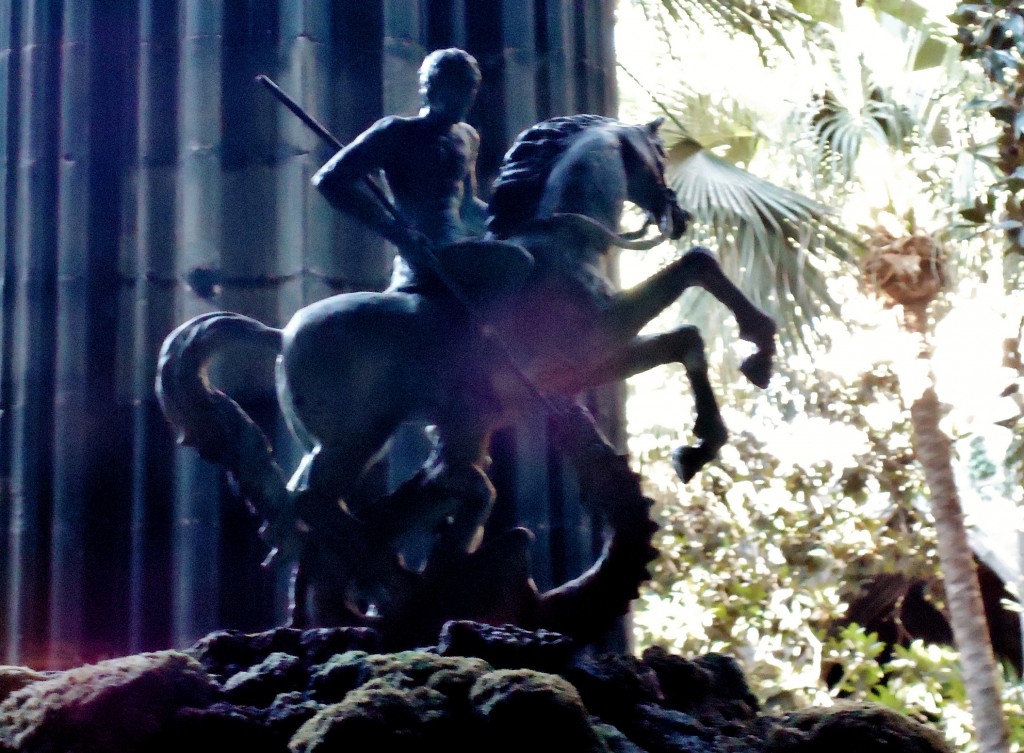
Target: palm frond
842,120
777,244
699,119
763,21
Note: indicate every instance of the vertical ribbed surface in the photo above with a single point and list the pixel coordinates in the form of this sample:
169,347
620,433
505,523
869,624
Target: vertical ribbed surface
8,93
145,179
31,345
147,269
556,93
72,449
198,250
403,51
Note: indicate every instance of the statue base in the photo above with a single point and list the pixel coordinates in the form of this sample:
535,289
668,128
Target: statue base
477,688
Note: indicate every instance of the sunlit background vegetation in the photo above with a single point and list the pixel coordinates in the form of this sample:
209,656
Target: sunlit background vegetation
806,137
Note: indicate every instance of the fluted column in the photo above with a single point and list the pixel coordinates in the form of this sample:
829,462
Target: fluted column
7,28
71,455
148,272
31,237
198,241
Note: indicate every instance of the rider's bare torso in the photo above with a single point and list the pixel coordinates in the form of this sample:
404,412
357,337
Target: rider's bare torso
426,161
427,165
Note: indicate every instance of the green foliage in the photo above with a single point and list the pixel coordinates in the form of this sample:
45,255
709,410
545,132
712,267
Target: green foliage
855,651
992,35
818,490
842,124
781,185
777,243
763,21
760,555
924,681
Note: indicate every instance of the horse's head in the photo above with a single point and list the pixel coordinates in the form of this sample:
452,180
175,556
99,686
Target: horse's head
564,165
643,154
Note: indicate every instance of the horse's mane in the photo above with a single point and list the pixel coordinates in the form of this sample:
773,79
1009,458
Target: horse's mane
526,166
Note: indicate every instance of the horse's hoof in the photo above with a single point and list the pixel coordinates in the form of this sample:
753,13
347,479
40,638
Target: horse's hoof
760,330
758,368
688,460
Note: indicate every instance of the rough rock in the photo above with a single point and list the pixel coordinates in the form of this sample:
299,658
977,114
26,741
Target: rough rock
16,678
515,704
225,652
116,705
260,684
499,689
507,646
377,716
851,728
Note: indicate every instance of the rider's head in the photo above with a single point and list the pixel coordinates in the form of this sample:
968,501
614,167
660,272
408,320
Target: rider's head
449,80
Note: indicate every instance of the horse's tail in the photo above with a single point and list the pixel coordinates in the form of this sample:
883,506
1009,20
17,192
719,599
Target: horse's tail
209,420
585,606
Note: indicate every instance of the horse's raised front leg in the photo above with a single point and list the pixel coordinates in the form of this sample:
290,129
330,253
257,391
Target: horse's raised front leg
632,309
685,346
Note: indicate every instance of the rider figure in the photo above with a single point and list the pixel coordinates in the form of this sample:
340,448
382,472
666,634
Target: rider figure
429,162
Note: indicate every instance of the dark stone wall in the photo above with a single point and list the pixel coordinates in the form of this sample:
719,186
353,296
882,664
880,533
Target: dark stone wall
146,179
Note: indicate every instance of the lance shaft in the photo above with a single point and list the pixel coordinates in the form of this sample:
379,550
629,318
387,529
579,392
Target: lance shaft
320,130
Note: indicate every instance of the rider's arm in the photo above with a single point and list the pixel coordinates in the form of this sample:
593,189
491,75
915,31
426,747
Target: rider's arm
473,210
342,182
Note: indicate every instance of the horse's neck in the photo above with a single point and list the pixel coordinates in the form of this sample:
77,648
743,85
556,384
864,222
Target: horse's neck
588,179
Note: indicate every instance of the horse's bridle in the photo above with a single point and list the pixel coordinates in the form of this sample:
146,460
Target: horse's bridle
632,240
664,221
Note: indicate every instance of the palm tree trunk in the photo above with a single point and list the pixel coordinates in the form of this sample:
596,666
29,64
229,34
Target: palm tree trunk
1020,579
963,594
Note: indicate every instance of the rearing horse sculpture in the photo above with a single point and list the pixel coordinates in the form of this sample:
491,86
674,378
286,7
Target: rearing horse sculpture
353,367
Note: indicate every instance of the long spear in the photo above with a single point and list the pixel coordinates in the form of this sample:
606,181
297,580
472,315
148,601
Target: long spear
320,130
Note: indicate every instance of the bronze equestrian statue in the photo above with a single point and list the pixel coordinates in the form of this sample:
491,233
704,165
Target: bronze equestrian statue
470,335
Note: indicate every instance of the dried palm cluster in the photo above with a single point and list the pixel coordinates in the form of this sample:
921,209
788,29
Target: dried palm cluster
903,271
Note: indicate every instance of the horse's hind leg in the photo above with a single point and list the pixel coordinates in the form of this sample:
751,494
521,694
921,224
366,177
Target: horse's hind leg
633,308
339,562
682,345
457,472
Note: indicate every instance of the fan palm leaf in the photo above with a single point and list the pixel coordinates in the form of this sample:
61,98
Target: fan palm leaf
777,244
845,118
